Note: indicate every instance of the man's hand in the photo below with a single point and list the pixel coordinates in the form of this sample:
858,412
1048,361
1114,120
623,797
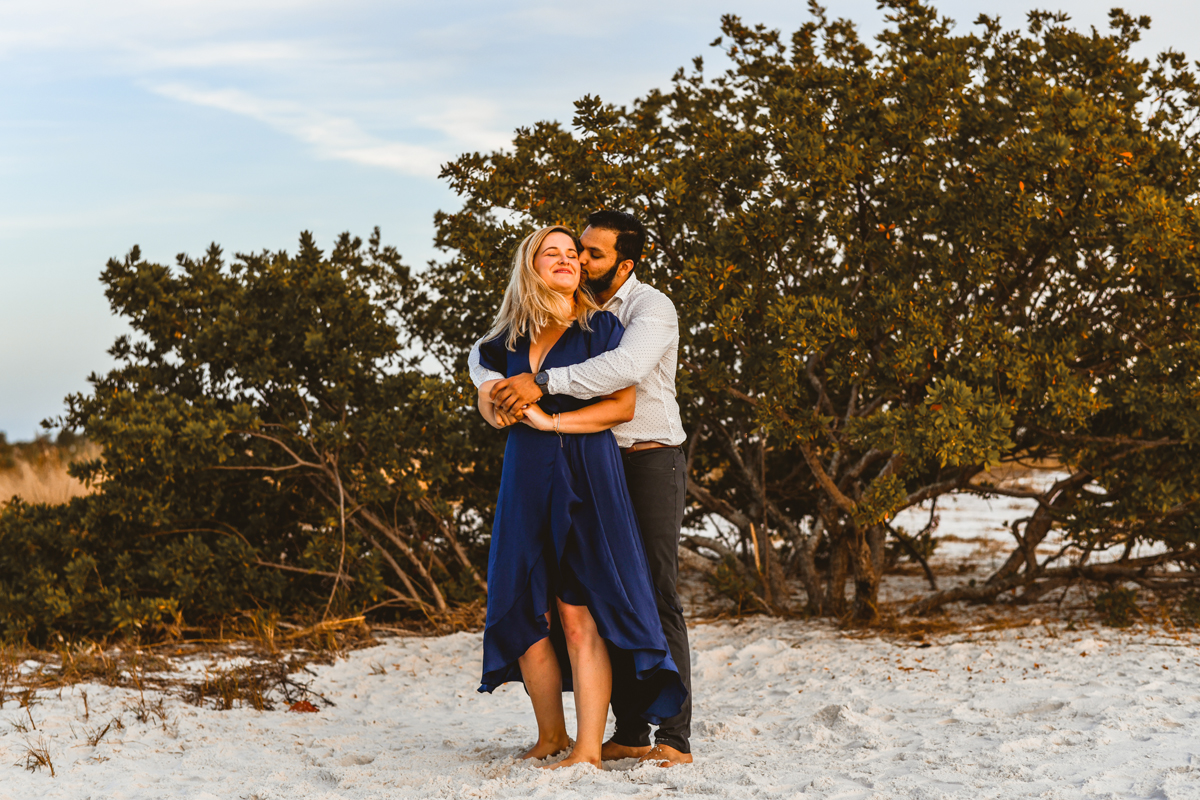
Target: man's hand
512,394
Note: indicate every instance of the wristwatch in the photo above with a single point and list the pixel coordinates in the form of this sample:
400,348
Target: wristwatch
542,379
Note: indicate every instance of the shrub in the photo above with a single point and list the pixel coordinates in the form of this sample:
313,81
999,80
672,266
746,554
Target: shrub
267,445
1117,607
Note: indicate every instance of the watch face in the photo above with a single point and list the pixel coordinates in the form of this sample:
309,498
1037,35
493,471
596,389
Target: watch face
541,379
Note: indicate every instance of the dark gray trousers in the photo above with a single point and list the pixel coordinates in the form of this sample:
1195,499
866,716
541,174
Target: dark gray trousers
658,487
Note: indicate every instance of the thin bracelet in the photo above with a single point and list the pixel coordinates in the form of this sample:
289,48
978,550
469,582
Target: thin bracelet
556,419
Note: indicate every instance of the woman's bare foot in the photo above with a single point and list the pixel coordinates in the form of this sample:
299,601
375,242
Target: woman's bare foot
573,759
547,748
611,751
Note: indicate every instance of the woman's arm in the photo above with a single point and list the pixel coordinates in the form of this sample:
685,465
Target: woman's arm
494,416
606,413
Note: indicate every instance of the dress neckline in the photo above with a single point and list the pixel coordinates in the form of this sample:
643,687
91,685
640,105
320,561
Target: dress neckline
546,355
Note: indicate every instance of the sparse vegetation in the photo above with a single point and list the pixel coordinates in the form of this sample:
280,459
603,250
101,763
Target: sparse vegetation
734,582
95,735
37,756
1189,609
1117,606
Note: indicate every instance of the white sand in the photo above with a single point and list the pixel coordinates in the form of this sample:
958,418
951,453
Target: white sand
783,709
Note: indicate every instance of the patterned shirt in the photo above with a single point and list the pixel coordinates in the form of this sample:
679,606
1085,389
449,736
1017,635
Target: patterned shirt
646,357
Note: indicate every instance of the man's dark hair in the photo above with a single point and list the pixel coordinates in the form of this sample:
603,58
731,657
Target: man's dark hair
631,234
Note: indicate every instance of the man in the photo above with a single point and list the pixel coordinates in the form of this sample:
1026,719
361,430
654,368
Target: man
655,468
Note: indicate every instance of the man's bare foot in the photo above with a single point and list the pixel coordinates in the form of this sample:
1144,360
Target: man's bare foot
572,760
545,749
611,751
666,756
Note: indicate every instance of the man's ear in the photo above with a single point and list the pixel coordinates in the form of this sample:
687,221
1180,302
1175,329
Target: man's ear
625,267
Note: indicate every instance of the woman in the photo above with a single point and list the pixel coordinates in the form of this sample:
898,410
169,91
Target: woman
566,553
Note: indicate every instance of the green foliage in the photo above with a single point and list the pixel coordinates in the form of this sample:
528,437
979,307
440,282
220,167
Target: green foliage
1117,606
730,580
73,571
894,267
267,445
1189,609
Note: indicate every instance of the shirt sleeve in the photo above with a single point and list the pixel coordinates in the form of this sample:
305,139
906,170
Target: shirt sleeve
488,361
653,328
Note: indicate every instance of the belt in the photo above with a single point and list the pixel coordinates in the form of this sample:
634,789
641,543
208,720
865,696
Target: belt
638,446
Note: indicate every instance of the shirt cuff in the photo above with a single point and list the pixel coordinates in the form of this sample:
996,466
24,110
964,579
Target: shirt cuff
482,376
560,380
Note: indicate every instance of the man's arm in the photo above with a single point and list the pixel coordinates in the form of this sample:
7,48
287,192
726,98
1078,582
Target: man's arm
494,416
653,327
479,373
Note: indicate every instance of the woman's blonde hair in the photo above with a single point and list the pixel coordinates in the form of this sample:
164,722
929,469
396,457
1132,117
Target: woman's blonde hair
530,306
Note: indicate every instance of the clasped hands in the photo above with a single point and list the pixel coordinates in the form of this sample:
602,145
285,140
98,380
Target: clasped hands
515,400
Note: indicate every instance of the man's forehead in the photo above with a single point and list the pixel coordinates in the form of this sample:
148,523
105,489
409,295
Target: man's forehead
598,237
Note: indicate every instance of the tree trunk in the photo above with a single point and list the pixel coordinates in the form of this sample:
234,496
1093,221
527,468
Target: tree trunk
806,565
877,541
1059,497
839,562
866,577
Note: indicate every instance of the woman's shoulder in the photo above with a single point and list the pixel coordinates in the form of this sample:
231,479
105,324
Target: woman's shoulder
606,332
605,322
493,353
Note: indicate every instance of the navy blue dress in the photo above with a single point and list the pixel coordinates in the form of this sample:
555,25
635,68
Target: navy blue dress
565,527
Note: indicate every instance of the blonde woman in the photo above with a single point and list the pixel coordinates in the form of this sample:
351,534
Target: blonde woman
567,560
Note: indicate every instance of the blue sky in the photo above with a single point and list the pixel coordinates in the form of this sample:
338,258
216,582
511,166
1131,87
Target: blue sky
175,124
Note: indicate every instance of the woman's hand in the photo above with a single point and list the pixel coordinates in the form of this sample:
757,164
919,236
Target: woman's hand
503,420
538,419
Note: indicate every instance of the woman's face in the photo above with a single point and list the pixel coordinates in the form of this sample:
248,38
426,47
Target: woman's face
557,263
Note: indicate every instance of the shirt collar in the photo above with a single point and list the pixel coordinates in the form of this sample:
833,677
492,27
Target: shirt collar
623,293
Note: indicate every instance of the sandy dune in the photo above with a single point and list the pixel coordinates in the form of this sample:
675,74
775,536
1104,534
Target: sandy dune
783,709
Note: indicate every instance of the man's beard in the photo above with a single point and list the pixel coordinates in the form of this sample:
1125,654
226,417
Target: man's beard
599,284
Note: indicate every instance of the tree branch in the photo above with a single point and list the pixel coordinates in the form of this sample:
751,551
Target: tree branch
305,571
717,505
840,500
1131,570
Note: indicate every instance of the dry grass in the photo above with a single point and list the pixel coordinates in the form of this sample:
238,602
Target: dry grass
37,756
39,474
258,669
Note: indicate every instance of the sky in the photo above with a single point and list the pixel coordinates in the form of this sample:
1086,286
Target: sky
177,123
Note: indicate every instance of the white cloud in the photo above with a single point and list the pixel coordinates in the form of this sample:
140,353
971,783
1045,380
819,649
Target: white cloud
302,67
330,136
469,122
216,54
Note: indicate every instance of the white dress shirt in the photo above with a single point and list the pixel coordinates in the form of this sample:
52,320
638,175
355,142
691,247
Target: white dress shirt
646,357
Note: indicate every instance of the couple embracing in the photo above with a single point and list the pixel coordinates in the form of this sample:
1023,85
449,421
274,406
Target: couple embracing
580,367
